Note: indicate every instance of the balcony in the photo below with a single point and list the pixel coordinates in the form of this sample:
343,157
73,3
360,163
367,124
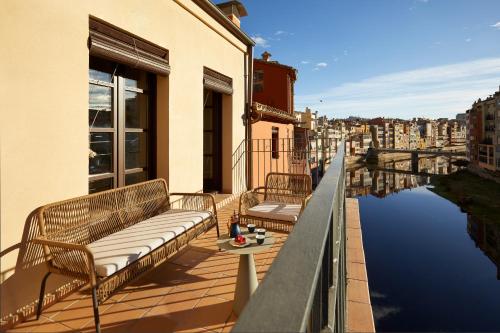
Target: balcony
192,292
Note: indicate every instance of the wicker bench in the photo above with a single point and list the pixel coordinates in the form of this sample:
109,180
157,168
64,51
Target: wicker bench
277,205
111,238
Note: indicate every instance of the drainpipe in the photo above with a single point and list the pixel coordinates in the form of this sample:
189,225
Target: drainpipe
248,111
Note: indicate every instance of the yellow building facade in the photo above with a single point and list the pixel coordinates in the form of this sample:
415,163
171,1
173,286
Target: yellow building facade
196,61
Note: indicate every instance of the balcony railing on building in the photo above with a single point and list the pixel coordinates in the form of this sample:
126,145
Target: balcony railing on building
301,155
305,287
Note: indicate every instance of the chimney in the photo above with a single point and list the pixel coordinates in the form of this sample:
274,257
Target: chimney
233,10
266,56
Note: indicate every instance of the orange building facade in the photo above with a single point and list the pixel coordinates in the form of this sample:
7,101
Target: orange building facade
272,119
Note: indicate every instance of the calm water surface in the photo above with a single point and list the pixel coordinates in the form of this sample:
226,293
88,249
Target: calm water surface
430,266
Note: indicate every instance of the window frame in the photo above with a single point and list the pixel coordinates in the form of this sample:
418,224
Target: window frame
258,80
119,129
275,142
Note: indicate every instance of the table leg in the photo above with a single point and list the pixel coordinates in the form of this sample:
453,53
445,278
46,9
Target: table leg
246,282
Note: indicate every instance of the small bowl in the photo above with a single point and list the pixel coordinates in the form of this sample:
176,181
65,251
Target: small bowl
261,231
251,228
260,239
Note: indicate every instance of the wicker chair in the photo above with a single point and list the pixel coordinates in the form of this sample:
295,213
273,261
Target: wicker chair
111,238
278,205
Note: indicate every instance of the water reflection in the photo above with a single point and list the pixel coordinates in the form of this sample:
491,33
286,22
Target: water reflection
425,274
486,236
392,176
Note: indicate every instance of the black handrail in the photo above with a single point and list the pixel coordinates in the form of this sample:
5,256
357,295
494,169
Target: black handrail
305,287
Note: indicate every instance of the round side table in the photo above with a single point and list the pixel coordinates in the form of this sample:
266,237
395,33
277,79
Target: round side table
246,282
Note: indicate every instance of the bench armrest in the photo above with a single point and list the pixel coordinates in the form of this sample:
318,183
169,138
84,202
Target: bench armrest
72,258
250,199
198,201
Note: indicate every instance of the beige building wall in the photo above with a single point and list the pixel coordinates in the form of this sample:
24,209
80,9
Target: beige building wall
44,124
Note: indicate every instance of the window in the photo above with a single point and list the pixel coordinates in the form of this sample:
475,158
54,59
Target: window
258,80
120,135
275,143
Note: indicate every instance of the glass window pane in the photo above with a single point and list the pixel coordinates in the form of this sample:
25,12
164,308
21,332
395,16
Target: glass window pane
94,74
100,107
137,177
135,79
136,110
136,154
101,153
100,185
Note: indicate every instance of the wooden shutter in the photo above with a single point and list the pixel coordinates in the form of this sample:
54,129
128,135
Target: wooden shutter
216,81
106,41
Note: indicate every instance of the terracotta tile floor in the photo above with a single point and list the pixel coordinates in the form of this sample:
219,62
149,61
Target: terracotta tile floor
192,292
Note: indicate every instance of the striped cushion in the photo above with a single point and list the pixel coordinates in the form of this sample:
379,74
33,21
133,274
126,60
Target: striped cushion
118,250
276,211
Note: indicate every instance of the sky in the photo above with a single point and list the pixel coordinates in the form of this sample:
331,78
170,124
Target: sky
391,58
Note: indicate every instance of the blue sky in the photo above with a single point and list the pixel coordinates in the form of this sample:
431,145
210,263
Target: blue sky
393,58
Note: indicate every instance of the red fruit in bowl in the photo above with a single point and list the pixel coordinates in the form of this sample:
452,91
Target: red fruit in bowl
240,239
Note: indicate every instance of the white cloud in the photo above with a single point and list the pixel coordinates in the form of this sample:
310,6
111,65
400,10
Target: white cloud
380,312
496,25
283,33
319,66
468,40
304,62
260,41
346,52
440,91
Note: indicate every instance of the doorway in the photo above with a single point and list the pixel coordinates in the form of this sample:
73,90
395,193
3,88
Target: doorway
212,141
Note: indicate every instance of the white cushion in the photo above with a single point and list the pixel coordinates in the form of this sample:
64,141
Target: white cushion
276,211
118,250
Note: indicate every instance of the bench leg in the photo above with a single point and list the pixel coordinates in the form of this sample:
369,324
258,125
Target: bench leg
42,294
95,305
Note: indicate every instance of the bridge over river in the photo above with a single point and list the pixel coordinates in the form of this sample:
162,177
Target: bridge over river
372,154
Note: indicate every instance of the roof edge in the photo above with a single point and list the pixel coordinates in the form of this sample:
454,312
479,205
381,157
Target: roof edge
276,64
214,11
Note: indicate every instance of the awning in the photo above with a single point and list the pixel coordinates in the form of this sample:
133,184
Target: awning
216,81
106,41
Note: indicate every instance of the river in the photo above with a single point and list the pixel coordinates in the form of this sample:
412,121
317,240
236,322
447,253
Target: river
430,266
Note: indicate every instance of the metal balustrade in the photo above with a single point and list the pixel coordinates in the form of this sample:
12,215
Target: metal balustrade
289,155
305,287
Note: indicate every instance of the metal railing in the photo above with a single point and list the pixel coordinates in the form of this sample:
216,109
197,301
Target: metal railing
305,287
289,155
